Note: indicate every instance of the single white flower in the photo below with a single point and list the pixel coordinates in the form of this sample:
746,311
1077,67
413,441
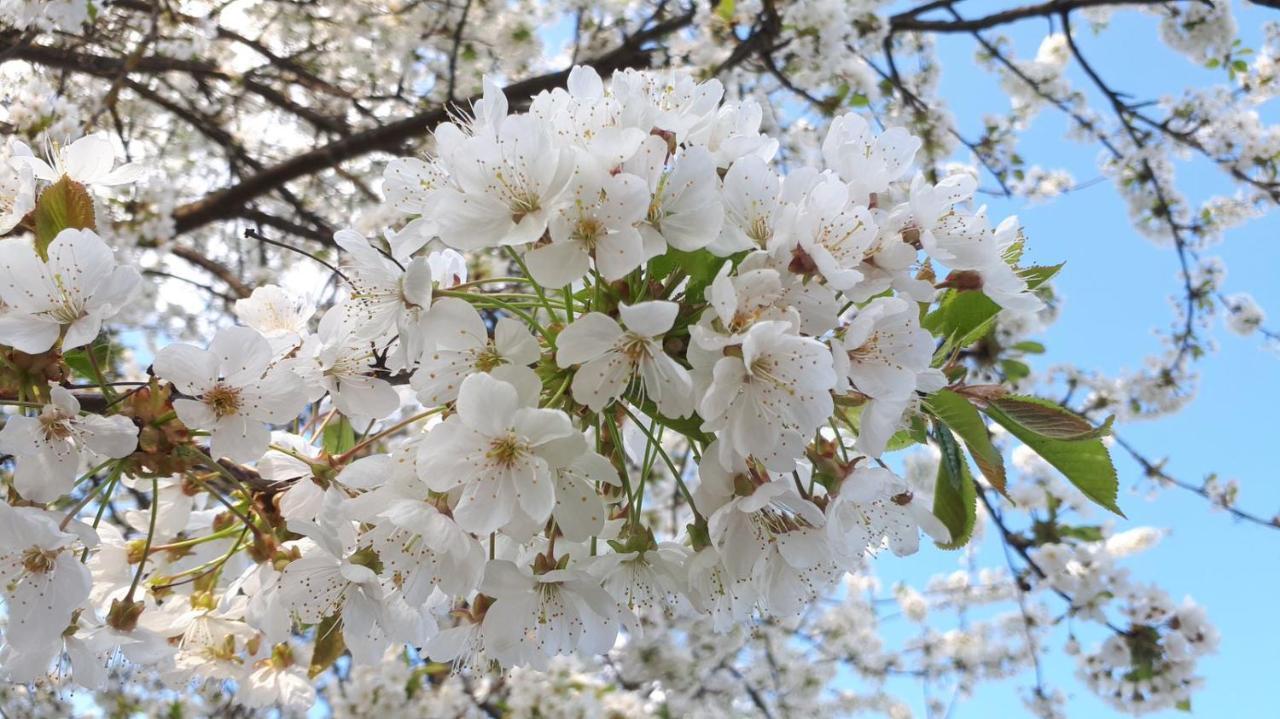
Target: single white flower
755,216
293,466
866,161
890,261
669,100
686,212
339,360
768,401
832,234
17,188
644,581
461,645
1244,316
580,512
389,294
410,184
758,290
777,539
597,221
41,578
68,296
507,185
728,600
88,161
539,616
278,680
735,133
502,454
281,316
609,356
208,635
325,581
48,446
884,351
590,118
233,390
419,544
958,239
422,549
463,347
875,506
91,648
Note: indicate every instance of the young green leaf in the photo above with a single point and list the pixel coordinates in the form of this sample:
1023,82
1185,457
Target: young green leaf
329,645
964,316
1084,460
955,494
65,204
1050,420
78,359
339,436
967,316
963,418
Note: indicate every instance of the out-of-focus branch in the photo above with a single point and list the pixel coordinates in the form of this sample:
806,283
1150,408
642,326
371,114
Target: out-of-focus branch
1155,470
910,21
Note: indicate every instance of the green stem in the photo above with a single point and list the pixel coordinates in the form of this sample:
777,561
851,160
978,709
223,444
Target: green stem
107,392
666,458
525,269
612,426
146,547
183,544
483,299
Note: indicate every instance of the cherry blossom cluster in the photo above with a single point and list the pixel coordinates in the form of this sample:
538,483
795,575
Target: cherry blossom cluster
605,364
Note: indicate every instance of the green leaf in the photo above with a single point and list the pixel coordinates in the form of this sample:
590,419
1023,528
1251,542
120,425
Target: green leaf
965,317
1085,533
690,427
329,645
1183,706
1014,370
963,418
725,10
1084,461
339,436
78,359
954,495
1013,253
1029,347
1037,275
65,204
1048,419
700,267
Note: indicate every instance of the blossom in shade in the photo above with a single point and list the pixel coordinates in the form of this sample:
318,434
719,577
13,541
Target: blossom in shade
233,390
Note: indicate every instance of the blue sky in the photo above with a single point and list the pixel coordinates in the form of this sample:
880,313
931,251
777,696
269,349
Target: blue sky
1117,287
